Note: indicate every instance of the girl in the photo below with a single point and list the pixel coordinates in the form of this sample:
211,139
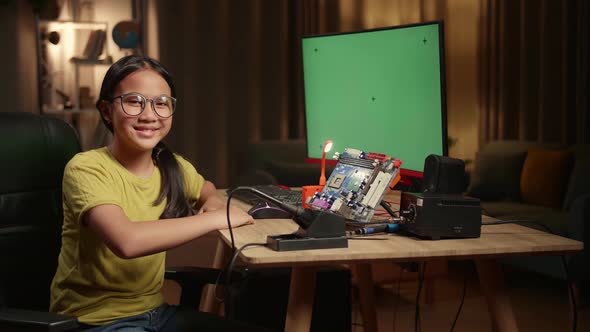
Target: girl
126,204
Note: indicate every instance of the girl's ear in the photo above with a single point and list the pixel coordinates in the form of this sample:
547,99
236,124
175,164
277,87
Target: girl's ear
106,111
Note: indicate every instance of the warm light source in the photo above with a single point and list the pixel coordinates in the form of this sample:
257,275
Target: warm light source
327,147
307,192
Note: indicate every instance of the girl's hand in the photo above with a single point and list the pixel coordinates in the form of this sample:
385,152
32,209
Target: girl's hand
213,203
238,217
214,208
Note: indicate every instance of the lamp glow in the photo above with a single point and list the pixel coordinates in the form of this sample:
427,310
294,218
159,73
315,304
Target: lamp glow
327,147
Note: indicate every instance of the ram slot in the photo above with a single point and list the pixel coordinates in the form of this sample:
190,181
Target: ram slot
376,189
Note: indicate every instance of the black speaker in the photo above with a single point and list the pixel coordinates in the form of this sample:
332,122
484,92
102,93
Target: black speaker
444,175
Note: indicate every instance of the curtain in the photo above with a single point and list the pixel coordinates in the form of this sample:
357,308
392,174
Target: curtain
534,71
237,66
238,76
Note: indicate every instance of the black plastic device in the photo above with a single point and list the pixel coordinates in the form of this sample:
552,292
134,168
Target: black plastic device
444,175
436,216
317,229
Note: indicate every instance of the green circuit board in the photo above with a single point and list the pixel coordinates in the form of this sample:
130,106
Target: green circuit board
357,184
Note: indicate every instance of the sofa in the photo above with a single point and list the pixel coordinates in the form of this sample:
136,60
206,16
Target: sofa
542,186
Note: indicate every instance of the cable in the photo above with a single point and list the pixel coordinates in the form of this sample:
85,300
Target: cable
396,303
358,223
235,253
378,229
502,222
563,261
462,301
387,208
572,296
229,197
356,308
230,266
219,299
366,237
390,202
421,272
233,245
392,220
231,233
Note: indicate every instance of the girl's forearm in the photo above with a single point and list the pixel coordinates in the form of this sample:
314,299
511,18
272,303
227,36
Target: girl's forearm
129,239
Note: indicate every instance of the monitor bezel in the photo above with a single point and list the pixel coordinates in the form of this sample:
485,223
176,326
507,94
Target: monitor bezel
405,172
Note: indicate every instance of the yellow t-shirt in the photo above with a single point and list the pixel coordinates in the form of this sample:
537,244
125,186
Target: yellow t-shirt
91,282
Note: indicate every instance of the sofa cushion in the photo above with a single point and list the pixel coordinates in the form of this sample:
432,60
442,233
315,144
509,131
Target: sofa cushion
496,175
544,176
579,182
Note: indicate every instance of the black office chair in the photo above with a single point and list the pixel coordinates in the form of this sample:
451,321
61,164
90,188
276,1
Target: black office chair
34,150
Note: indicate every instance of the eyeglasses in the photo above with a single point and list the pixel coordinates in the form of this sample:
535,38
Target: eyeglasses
134,104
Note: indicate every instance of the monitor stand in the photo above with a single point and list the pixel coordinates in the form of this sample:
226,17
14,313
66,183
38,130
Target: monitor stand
289,242
409,184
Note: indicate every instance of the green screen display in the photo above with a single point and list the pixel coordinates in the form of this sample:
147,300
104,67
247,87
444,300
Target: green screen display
377,91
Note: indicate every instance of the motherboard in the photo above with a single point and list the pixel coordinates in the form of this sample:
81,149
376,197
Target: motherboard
357,184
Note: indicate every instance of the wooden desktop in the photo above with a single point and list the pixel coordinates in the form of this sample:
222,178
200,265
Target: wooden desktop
495,242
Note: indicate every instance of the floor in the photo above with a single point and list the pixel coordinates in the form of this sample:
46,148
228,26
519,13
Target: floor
540,304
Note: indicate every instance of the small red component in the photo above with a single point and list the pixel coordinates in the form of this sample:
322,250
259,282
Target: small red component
374,155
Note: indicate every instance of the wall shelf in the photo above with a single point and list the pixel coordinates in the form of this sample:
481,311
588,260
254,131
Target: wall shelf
108,60
74,51
64,83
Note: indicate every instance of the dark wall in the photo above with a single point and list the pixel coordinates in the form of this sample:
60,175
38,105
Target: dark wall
18,82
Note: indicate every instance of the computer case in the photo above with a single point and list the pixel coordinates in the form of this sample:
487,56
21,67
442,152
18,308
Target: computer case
437,216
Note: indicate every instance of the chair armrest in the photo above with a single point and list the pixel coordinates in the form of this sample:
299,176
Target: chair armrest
29,320
578,213
192,279
193,274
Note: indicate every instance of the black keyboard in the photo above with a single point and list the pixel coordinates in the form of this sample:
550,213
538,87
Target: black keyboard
291,197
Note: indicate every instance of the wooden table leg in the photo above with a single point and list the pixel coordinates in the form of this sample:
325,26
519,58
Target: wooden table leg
491,280
574,297
366,292
301,296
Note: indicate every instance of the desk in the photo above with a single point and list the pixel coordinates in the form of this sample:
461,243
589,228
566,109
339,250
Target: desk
495,242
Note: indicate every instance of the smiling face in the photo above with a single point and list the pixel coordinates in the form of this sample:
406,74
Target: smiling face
138,134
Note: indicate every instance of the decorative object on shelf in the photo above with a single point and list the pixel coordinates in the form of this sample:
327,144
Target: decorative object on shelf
94,49
95,44
86,99
53,37
126,34
67,101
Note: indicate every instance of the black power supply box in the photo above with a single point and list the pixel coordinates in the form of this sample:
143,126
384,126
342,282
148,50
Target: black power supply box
436,216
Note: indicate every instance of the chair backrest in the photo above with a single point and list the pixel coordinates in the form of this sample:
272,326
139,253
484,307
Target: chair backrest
34,150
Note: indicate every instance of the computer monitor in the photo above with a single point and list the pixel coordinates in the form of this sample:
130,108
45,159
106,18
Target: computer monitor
380,90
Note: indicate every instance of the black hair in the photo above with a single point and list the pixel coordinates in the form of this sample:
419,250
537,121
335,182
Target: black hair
172,186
